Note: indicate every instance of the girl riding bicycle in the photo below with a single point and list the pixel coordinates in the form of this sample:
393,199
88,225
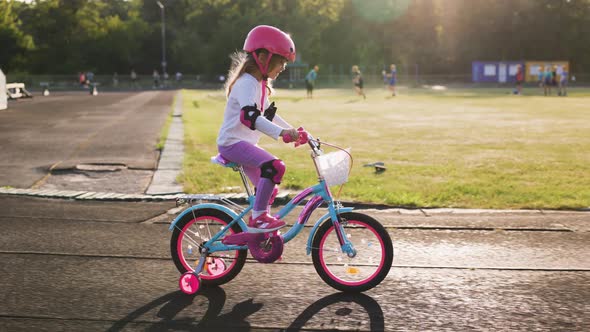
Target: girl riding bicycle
248,114
210,241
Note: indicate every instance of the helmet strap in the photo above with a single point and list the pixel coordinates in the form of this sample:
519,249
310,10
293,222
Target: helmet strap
263,69
264,72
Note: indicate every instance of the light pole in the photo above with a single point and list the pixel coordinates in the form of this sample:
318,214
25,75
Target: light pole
163,37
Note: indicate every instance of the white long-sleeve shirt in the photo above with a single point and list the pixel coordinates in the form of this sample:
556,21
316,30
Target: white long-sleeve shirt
247,92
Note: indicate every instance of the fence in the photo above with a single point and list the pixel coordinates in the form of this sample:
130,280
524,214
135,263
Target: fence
326,79
108,82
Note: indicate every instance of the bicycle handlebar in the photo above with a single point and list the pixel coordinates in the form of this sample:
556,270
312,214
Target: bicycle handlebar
313,143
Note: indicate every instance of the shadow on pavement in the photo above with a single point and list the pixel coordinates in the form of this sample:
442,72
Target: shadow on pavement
371,306
175,302
235,320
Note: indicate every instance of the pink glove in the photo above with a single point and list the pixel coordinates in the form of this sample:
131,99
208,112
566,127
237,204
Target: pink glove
303,137
288,138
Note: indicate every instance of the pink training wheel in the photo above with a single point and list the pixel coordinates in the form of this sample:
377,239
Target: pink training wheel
216,267
189,283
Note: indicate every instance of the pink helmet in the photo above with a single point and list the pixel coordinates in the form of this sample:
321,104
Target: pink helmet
271,39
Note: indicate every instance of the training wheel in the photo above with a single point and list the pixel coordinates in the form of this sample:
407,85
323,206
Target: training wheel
216,267
189,283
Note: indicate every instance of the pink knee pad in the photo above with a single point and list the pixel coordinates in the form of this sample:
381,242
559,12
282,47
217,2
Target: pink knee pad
273,170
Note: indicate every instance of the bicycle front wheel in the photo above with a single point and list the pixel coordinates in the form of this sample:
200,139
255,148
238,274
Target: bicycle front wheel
191,232
370,265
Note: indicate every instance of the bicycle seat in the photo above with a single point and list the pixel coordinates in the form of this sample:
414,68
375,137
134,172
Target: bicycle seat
220,160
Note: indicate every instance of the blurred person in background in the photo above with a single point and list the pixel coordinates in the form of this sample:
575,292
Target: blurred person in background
392,76
519,79
89,77
133,78
541,78
357,81
554,76
310,80
166,77
547,80
156,77
82,79
563,83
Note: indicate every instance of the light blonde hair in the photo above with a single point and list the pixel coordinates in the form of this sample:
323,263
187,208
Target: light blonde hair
243,62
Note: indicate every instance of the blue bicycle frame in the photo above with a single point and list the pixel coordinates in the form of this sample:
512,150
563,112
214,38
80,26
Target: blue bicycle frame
321,193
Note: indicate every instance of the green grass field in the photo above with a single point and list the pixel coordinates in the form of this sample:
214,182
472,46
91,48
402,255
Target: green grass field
478,148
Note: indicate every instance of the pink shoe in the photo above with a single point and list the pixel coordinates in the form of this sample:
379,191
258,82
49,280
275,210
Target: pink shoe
264,223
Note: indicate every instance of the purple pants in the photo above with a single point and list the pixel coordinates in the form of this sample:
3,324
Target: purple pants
251,157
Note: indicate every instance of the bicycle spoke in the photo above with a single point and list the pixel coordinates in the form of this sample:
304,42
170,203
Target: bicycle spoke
188,238
208,229
335,250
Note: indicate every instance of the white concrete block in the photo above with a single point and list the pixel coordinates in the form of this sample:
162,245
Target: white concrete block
3,97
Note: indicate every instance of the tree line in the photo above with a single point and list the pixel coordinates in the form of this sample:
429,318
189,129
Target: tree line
441,36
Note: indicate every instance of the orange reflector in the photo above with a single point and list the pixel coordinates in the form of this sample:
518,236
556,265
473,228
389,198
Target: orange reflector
352,270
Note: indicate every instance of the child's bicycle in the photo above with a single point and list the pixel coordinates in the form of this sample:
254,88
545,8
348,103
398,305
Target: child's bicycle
350,251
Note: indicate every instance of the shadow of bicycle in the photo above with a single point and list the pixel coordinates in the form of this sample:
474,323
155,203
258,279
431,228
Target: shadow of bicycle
369,305
173,303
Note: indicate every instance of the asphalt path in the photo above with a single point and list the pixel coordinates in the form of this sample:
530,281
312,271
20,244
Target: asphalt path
60,132
69,265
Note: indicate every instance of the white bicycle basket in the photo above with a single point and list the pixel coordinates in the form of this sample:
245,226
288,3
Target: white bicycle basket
334,166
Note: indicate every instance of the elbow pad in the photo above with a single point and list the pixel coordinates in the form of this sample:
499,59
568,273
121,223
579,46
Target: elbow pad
248,116
270,112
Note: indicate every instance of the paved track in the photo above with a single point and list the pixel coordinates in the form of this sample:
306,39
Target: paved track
62,131
71,265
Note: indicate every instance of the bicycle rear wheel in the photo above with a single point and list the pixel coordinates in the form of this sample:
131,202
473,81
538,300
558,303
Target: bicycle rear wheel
191,232
370,265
